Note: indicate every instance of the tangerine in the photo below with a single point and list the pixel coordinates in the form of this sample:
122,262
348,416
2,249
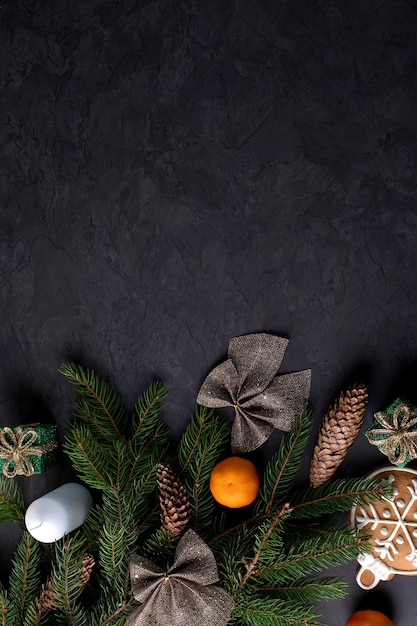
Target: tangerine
369,618
234,482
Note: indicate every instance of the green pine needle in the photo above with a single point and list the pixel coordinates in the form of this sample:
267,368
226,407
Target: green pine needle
261,610
25,578
99,406
337,495
283,468
12,507
198,451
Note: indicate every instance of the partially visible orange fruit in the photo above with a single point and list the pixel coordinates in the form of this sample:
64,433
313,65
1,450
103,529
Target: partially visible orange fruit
234,482
369,618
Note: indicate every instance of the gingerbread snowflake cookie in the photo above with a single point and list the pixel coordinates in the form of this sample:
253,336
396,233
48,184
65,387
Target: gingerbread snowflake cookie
392,526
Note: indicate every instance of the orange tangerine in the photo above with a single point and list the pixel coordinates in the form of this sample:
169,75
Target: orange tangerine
234,482
369,618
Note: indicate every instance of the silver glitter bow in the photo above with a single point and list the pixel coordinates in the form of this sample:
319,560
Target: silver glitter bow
247,381
184,595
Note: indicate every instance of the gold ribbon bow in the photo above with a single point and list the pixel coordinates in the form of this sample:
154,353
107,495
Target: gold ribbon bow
185,594
396,439
247,381
16,447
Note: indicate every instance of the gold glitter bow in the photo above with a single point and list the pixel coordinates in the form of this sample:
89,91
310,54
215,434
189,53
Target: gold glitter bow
185,594
396,439
247,381
16,446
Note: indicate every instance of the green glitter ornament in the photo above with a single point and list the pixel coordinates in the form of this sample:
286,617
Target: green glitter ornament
28,449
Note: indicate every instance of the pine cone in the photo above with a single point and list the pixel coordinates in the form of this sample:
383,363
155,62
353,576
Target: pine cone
88,564
46,597
173,500
339,429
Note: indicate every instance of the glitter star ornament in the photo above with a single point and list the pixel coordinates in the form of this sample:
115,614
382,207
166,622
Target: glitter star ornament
248,382
185,594
394,432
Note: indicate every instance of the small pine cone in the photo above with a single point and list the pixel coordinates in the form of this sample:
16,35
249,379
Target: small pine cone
46,599
173,500
87,567
338,431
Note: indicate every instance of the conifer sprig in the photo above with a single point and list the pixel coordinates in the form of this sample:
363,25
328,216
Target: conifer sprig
67,580
12,507
337,495
199,449
25,578
284,466
99,404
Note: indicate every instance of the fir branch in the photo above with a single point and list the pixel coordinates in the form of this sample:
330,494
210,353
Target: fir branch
90,457
25,577
160,546
35,616
309,589
260,546
228,552
337,495
260,610
67,580
147,410
100,406
12,507
115,550
4,607
309,555
283,468
198,451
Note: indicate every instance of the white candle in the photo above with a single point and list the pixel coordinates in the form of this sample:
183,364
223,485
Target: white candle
58,512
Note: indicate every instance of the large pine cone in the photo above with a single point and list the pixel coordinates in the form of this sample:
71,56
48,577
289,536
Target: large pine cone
338,431
173,500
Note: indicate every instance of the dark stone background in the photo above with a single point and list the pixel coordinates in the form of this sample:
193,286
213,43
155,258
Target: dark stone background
177,173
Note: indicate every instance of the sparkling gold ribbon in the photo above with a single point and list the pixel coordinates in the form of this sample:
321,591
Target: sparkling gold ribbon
16,446
396,439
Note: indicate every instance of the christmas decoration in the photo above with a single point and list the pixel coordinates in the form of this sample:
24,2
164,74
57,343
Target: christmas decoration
58,512
338,431
394,432
369,617
27,450
172,499
185,594
247,382
234,482
392,526
267,561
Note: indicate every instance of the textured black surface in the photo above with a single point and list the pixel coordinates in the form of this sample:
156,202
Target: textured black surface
177,173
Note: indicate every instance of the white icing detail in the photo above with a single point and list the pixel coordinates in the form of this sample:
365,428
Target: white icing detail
400,503
384,531
386,513
379,569
400,540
